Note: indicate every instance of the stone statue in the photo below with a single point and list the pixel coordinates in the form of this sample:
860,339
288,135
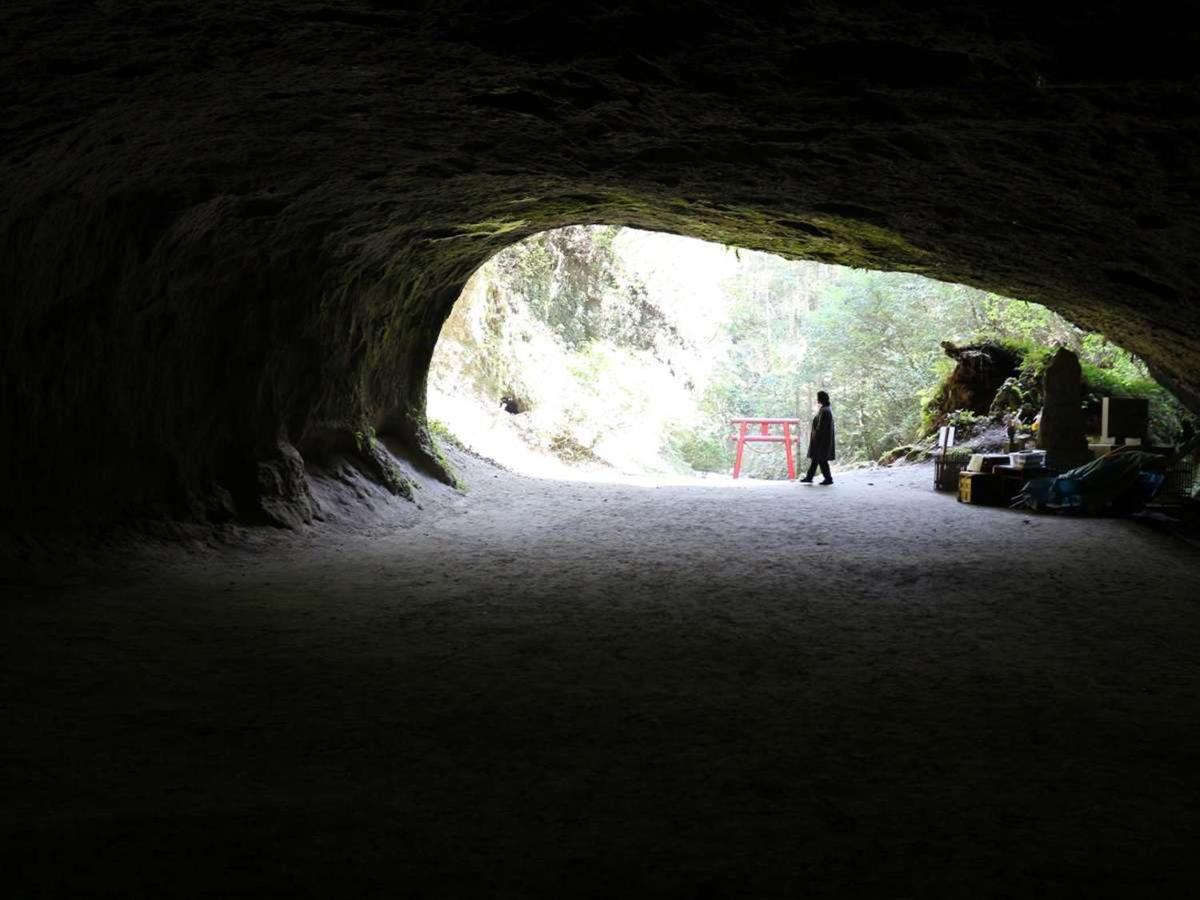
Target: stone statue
1061,432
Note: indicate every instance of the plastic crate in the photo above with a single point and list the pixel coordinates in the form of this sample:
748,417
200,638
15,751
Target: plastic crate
946,473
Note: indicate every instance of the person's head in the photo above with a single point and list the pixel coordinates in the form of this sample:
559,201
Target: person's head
822,398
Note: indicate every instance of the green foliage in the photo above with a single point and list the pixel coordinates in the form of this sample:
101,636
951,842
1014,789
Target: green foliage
442,433
1014,322
874,344
698,449
873,341
895,454
965,421
364,439
1109,371
1167,415
1034,358
567,447
380,463
760,375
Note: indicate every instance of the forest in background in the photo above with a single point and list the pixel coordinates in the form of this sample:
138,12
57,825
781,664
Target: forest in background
617,347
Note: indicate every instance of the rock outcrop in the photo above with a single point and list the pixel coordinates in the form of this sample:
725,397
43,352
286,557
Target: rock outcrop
1062,433
980,370
230,232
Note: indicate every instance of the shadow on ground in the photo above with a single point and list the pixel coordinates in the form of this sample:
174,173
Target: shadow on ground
582,690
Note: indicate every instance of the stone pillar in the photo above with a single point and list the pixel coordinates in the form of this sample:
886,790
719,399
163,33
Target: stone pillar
1061,433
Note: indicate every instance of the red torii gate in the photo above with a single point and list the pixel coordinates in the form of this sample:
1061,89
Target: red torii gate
764,436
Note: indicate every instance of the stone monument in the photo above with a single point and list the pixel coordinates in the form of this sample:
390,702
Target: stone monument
1061,432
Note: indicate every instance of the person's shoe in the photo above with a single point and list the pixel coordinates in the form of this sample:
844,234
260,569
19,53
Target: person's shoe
805,481
827,481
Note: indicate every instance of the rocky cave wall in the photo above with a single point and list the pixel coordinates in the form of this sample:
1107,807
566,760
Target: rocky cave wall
230,232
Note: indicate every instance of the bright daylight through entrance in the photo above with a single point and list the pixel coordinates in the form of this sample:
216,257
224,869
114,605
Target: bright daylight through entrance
600,352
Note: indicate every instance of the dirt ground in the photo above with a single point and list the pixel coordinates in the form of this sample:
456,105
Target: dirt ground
607,690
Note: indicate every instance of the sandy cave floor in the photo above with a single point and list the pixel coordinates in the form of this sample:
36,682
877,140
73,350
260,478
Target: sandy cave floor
573,689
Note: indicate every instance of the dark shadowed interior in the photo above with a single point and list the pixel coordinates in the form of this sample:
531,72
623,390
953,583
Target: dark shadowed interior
230,233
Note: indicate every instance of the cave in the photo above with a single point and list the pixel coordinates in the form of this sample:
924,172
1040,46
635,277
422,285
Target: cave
230,239
230,235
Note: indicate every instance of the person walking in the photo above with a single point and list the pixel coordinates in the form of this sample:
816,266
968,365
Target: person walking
820,442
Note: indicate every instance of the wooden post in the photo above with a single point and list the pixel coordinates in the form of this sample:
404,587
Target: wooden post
787,449
741,445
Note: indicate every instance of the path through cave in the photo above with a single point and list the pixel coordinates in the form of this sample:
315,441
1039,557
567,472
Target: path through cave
561,689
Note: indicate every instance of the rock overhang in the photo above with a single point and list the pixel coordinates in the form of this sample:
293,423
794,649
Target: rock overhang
229,232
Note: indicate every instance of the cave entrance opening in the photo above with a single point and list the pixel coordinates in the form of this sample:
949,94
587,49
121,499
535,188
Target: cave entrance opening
601,353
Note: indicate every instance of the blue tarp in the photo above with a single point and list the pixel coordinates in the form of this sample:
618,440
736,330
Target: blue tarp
1120,483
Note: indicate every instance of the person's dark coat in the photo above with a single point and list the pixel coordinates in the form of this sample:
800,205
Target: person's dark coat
820,442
